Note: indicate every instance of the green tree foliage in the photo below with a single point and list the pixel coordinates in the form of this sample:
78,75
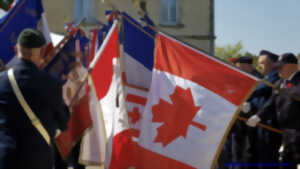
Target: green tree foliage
229,51
298,56
233,51
5,4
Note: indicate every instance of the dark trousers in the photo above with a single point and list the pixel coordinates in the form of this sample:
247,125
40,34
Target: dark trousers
244,146
268,144
289,158
72,159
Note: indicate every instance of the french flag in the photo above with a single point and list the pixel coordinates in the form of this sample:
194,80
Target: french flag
137,59
23,14
137,51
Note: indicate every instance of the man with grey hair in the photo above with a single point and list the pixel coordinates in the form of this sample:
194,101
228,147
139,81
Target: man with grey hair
285,104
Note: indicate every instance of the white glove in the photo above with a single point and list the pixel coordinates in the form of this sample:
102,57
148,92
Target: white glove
246,107
57,132
253,120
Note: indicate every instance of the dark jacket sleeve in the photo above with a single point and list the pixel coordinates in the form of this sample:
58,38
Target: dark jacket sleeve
295,92
259,97
269,108
262,93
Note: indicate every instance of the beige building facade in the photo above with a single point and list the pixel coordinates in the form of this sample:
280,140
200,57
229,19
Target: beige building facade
189,20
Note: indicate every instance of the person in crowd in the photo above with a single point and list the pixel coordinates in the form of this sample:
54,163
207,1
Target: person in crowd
267,141
26,138
70,88
285,104
244,137
245,63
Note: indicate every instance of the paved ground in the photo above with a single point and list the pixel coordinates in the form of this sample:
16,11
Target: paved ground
95,167
90,167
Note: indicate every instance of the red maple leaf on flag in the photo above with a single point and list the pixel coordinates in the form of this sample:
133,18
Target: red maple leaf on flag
176,117
135,115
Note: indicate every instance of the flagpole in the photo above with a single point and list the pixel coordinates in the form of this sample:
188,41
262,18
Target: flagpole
140,28
49,57
262,125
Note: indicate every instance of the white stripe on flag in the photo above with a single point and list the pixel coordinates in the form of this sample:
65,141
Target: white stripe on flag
213,110
137,74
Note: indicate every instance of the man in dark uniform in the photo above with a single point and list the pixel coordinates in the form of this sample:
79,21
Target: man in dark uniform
245,63
21,144
266,140
242,136
285,103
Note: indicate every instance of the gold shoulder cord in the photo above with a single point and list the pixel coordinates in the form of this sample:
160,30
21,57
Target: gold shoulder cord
33,118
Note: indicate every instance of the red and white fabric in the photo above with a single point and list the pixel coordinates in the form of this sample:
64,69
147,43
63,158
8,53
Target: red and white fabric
102,76
94,140
136,101
192,102
80,119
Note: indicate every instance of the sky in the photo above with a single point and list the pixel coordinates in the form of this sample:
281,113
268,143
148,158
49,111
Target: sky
259,24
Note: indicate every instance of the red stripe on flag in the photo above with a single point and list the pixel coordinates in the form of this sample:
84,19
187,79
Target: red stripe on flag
102,72
136,99
80,120
176,58
199,125
127,153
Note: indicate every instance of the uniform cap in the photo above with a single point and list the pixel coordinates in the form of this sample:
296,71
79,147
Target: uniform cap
243,59
286,58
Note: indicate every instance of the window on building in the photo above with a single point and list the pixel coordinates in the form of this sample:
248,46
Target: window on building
170,12
84,9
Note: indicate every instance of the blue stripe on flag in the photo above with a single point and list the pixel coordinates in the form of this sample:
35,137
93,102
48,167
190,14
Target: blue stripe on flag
136,43
24,14
60,65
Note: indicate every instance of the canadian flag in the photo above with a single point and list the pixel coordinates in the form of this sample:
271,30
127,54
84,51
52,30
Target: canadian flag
191,105
103,77
106,75
94,140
